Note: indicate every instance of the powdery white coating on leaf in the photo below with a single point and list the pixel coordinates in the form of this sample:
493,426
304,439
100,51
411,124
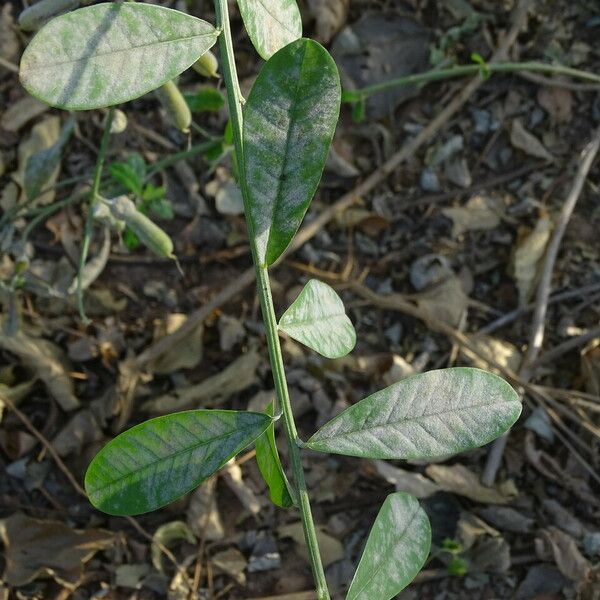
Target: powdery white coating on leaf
156,462
271,24
289,121
425,416
111,53
317,319
397,548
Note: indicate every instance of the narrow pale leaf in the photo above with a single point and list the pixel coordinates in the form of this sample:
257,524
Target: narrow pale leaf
110,53
271,24
270,467
396,549
289,121
317,319
156,462
425,416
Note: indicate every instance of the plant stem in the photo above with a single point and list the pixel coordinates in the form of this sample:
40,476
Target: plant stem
89,223
235,100
462,70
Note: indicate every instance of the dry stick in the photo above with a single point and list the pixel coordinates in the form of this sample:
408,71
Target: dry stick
536,336
378,176
75,484
565,347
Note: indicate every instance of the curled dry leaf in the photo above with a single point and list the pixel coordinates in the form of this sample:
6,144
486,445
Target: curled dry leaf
232,562
445,301
497,350
203,515
46,360
331,548
21,112
557,102
330,17
166,535
406,481
554,543
10,47
34,548
232,474
530,251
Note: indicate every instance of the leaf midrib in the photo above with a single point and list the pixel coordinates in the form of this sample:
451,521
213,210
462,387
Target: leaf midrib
409,420
381,565
169,457
313,320
111,52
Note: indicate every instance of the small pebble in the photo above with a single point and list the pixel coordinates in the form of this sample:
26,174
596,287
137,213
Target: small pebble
429,181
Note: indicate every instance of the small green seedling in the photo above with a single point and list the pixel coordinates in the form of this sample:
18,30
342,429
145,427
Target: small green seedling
106,54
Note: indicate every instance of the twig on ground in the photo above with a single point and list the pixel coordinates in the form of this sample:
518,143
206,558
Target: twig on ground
536,336
561,349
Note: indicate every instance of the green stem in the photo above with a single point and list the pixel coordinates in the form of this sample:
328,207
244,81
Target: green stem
462,70
235,100
89,223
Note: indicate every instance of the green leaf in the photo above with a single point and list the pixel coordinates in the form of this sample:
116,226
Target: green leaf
156,462
396,549
289,121
425,416
206,99
317,319
110,53
271,24
270,467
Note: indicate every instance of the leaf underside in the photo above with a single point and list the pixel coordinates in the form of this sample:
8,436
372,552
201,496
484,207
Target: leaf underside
158,461
289,121
317,319
271,24
110,53
269,465
396,549
425,416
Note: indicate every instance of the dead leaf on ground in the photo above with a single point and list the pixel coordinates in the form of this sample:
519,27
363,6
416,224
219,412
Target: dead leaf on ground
590,367
531,247
552,543
458,479
557,102
479,213
186,354
166,535
367,221
524,140
330,17
232,475
445,301
10,47
43,135
232,562
203,514
213,391
406,481
331,548
22,111
47,361
34,548
14,393
501,352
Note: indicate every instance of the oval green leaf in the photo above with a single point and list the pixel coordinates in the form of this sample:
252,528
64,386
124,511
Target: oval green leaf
289,121
317,319
156,462
396,549
111,53
425,416
271,24
269,465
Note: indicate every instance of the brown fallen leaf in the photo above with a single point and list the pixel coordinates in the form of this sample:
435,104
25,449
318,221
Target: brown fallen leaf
232,475
531,247
330,17
10,47
557,102
406,481
165,536
497,350
232,562
213,391
331,548
445,301
34,548
552,543
47,361
203,515
22,111
479,213
15,394
524,140
184,355
458,479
